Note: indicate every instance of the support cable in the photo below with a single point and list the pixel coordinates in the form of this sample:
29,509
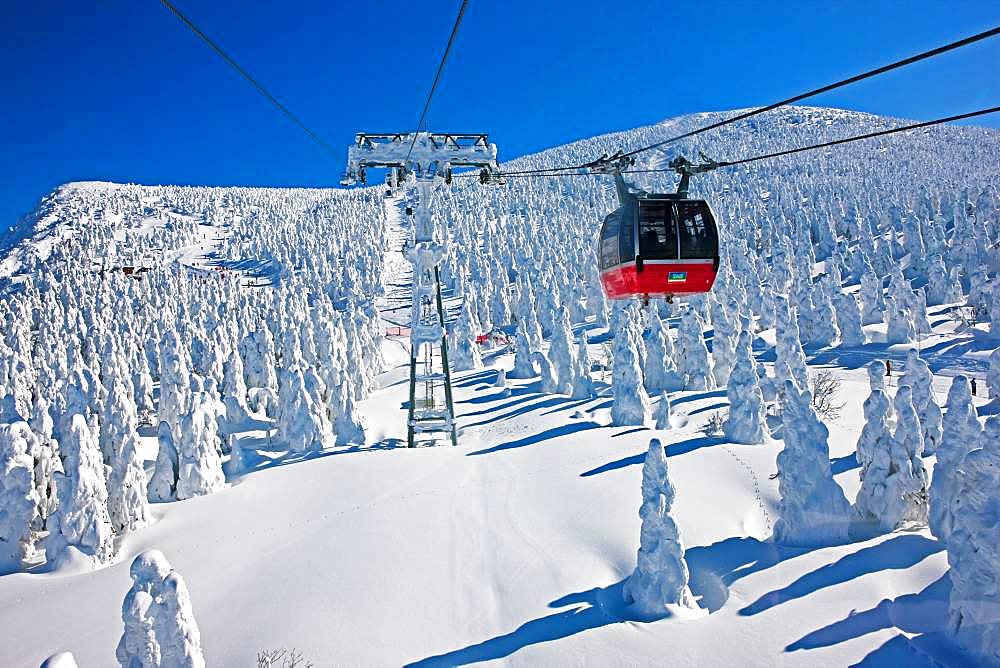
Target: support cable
437,76
246,75
776,154
802,96
869,135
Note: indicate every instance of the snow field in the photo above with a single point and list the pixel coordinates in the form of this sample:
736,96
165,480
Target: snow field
515,546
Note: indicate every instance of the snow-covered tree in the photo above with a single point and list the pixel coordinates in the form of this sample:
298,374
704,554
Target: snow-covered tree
302,423
463,352
199,462
816,317
20,501
889,483
849,320
875,432
912,484
583,385
876,375
234,392
723,344
160,628
549,381
790,359
918,313
523,368
257,351
660,578
597,304
899,323
176,629
127,491
919,377
872,301
979,287
349,425
940,288
138,646
662,412
163,483
960,435
746,423
81,521
527,317
142,381
175,382
560,353
813,509
546,305
659,369
501,379
994,310
972,549
631,403
693,360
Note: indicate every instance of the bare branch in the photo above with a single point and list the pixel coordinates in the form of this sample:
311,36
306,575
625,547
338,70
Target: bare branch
715,424
825,388
282,658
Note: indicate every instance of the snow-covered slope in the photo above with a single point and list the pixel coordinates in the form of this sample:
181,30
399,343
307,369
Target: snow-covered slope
514,546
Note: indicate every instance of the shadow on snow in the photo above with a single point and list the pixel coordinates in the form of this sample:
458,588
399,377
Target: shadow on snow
896,553
261,462
550,402
554,432
589,613
673,449
924,612
845,463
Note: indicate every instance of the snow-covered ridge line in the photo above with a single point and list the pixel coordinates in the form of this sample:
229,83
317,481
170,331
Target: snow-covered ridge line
819,120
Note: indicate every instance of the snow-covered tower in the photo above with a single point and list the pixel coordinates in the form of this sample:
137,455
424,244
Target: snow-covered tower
422,162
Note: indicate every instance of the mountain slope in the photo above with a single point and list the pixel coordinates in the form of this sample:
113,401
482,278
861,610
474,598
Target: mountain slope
512,547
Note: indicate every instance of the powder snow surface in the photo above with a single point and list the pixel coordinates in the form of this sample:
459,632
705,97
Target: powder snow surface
513,547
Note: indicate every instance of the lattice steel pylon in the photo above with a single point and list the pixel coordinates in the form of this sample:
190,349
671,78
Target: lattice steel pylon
421,162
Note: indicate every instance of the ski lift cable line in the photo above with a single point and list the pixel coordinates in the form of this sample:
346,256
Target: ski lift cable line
869,135
437,76
972,39
246,75
776,154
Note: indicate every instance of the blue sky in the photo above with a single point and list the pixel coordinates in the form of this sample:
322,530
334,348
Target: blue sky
119,90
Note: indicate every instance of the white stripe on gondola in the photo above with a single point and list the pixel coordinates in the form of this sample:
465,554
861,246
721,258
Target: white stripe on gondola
701,260
646,262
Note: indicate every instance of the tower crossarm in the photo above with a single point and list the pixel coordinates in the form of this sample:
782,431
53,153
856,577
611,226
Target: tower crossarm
424,154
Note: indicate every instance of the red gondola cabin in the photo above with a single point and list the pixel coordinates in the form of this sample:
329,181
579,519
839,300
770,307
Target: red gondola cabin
658,245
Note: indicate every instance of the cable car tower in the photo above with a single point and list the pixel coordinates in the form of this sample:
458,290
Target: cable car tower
421,162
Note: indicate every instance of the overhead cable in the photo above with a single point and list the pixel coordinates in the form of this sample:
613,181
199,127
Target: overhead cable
437,76
246,75
768,156
796,98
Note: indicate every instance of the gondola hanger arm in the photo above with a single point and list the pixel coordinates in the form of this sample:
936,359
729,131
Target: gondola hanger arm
686,169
